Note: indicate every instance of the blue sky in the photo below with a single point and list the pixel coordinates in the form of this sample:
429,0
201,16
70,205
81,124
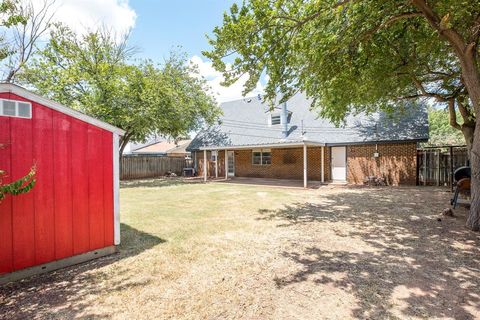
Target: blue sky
156,28
162,25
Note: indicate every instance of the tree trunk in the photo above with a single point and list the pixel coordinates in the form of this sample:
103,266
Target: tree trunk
468,133
471,76
473,221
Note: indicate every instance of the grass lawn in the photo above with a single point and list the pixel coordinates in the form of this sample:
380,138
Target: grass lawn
225,251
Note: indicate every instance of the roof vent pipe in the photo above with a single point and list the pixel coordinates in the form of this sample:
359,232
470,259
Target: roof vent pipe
284,120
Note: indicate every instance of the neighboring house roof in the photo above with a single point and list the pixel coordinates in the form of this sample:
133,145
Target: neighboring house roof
181,148
245,122
139,145
164,147
22,92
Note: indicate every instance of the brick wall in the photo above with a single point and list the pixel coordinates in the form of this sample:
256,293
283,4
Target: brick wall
397,163
287,163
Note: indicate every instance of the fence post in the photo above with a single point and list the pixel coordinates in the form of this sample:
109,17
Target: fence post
438,167
424,167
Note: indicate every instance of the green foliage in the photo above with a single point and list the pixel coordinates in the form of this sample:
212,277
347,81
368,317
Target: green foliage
441,132
9,12
9,16
22,185
91,73
350,56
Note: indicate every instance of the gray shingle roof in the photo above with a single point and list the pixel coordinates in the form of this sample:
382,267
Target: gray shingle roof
245,123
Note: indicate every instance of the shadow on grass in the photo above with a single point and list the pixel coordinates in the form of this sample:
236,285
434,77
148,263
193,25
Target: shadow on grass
157,182
40,296
400,251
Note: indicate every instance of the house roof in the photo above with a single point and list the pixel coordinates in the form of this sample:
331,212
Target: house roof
245,122
164,147
22,92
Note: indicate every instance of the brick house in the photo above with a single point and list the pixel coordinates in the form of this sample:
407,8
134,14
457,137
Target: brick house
291,142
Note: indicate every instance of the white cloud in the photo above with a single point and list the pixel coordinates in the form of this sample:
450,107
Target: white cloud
215,78
85,15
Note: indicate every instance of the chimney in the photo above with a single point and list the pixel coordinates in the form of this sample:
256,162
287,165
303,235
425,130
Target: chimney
284,120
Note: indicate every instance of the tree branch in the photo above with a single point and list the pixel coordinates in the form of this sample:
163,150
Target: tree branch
425,93
434,20
466,114
391,20
453,114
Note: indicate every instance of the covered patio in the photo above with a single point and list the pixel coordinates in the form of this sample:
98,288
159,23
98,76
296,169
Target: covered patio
229,172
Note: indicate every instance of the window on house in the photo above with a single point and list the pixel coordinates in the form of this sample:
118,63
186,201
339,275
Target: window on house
257,157
266,157
262,157
12,108
24,110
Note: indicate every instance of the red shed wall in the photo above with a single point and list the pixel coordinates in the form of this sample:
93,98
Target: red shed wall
70,209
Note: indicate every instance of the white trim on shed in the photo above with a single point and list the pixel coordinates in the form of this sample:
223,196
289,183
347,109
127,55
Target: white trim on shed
22,92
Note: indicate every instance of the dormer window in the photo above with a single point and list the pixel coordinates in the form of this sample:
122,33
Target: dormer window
12,108
275,119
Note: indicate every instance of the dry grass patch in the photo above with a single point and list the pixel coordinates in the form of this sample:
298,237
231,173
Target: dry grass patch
195,251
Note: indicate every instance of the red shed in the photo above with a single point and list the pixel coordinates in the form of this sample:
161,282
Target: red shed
72,213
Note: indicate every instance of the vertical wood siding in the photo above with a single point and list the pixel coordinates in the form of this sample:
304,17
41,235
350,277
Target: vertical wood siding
43,199
70,209
6,261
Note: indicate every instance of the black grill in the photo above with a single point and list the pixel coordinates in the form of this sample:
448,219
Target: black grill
462,183
462,172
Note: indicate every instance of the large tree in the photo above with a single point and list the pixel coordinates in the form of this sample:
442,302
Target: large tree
92,73
358,55
9,17
24,37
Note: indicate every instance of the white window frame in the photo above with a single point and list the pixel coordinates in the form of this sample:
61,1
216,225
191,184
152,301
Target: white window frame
17,102
262,151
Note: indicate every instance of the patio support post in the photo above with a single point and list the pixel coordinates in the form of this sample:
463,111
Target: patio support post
216,165
205,165
304,165
226,164
323,164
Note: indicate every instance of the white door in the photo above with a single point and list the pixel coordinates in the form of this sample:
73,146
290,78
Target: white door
231,163
339,163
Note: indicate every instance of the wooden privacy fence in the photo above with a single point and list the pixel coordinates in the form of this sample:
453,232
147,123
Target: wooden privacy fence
147,166
435,165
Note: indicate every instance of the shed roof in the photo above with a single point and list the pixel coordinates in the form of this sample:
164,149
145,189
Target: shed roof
245,122
20,91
